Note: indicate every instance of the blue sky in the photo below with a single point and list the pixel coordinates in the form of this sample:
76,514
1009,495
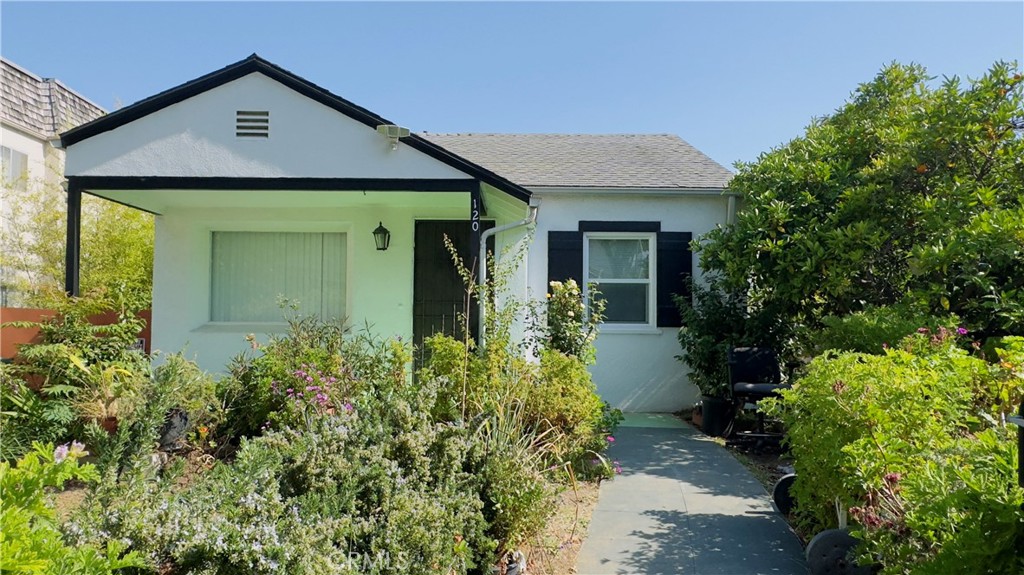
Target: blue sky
734,79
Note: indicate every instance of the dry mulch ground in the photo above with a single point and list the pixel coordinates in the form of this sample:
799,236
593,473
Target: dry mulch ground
554,550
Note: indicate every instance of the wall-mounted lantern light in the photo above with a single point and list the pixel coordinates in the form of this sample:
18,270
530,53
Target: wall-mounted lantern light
381,237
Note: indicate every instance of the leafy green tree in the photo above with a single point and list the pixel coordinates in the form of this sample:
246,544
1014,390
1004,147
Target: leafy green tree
911,192
117,245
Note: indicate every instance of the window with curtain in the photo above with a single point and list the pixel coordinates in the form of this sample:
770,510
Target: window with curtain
621,267
252,271
15,167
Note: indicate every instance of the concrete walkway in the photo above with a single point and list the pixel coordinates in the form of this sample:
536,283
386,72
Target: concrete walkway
684,506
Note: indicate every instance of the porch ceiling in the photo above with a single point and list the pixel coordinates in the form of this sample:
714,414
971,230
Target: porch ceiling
160,201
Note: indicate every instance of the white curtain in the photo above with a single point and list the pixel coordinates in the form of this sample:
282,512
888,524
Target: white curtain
618,259
252,271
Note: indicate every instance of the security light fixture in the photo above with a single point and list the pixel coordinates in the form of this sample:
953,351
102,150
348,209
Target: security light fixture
381,237
392,133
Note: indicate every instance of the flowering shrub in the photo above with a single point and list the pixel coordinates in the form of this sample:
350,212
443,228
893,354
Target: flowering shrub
912,443
565,323
347,464
374,489
29,541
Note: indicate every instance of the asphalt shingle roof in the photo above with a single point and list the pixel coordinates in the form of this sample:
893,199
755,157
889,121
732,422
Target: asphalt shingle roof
41,105
661,161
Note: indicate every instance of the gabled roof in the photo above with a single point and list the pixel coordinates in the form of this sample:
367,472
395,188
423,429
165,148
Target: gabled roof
662,161
43,106
256,64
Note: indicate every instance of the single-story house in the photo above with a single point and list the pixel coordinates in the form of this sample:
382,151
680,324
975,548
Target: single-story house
264,184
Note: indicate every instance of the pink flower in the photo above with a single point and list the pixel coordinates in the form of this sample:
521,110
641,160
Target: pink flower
961,330
610,439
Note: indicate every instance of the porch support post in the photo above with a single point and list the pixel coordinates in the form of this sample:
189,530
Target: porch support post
475,210
74,239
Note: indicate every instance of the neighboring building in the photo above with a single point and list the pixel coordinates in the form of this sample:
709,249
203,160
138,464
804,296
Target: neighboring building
264,184
33,112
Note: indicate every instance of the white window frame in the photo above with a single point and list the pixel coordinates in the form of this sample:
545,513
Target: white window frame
17,182
652,279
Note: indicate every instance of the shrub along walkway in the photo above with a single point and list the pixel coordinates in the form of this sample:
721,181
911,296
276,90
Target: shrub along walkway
684,506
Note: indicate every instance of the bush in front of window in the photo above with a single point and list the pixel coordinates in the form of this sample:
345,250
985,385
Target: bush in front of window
564,323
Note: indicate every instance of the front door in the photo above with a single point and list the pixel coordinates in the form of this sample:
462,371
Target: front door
440,301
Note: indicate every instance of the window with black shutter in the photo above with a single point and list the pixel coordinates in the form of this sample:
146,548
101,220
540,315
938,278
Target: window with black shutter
637,268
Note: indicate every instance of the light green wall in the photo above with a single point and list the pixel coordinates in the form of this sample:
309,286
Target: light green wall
380,284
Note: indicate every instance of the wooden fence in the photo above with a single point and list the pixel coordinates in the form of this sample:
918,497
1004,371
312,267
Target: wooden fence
11,337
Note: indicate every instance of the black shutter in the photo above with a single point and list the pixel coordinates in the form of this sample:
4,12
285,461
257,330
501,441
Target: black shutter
675,264
565,256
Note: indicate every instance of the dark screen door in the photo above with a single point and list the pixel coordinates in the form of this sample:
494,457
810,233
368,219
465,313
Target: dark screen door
440,301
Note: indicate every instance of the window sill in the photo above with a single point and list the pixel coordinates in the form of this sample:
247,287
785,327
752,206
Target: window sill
242,327
629,329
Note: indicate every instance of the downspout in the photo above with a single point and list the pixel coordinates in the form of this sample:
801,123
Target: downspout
730,215
531,218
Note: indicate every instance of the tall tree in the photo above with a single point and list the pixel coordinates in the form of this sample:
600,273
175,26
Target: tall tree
910,192
117,245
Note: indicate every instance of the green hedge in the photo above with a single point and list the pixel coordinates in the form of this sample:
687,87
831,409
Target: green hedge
913,445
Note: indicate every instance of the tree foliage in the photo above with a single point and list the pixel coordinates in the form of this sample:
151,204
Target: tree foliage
911,192
116,249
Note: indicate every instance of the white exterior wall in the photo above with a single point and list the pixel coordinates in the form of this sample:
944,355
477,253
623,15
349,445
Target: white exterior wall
196,138
636,370
379,284
32,145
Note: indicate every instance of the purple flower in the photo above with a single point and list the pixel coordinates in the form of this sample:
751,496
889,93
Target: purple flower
61,453
347,406
961,330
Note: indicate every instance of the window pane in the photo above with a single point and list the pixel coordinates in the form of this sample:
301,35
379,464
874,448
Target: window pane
15,165
624,303
618,259
251,270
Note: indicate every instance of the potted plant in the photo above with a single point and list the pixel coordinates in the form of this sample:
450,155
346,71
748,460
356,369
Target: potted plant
714,320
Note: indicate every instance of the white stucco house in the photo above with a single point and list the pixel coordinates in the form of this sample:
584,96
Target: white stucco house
264,183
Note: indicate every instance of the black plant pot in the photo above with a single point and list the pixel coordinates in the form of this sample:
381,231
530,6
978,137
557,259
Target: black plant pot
717,413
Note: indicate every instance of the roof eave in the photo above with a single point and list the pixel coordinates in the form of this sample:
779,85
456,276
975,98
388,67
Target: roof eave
255,63
639,190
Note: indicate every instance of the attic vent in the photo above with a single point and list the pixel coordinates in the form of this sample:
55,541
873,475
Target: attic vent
252,124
